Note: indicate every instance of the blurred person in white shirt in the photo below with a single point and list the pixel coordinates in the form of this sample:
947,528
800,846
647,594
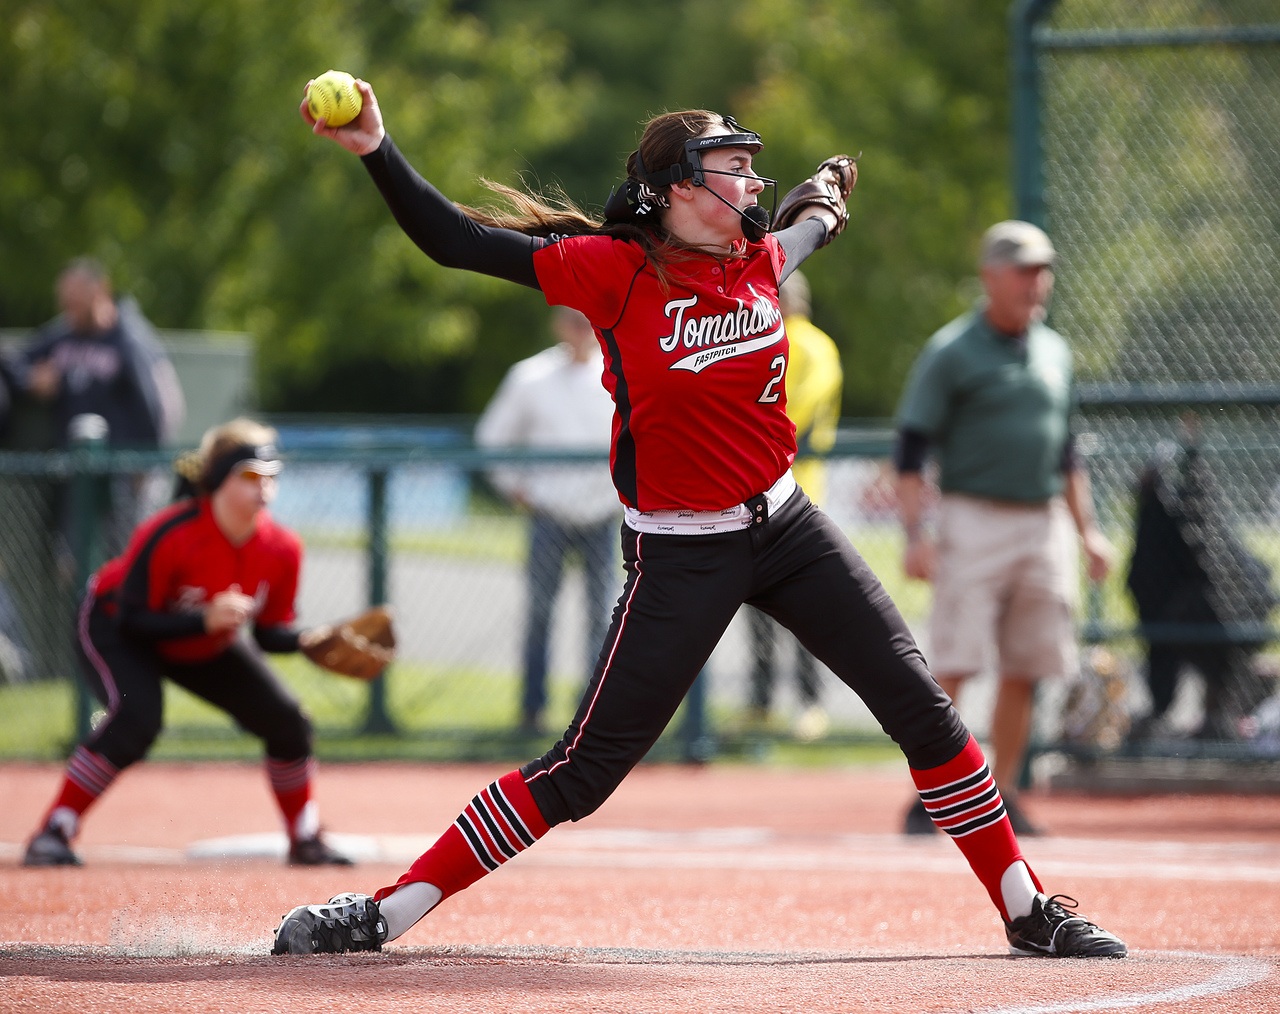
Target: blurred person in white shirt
553,401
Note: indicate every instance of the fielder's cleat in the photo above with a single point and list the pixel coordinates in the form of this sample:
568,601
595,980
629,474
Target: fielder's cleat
50,848
918,820
315,852
350,922
1053,930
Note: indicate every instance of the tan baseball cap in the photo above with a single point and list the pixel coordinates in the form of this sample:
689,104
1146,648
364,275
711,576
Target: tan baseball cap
1019,243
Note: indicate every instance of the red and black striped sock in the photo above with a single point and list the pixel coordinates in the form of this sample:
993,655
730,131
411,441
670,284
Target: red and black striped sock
499,823
291,784
88,776
963,800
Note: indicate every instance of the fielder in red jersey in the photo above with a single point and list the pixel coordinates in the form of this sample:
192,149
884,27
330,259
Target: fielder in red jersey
179,560
172,606
680,282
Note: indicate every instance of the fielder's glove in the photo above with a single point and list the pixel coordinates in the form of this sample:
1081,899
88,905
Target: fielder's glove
361,646
829,187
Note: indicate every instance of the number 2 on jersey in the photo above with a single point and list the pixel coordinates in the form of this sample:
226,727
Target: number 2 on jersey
772,390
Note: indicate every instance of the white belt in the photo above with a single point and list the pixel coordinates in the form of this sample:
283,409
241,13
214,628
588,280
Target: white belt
732,519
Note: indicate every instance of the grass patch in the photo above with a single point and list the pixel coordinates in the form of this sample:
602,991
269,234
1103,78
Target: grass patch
439,717
494,538
39,720
468,714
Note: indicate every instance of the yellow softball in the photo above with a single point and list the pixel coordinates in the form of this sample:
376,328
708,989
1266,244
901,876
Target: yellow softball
334,98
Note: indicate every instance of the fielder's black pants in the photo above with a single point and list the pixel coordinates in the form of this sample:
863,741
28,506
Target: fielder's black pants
127,676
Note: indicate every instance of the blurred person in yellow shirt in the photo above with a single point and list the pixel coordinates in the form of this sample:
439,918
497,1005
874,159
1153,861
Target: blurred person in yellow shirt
815,380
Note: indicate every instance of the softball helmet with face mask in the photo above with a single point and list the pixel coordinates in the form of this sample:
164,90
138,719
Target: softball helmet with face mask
644,193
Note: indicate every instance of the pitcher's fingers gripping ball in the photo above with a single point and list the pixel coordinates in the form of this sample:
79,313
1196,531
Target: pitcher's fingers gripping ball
334,98
361,646
829,188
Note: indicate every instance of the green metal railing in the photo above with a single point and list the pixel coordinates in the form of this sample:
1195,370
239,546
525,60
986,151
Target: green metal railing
415,524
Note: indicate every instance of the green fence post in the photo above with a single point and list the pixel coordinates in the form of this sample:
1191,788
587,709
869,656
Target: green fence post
1028,159
697,744
89,444
378,720
1028,171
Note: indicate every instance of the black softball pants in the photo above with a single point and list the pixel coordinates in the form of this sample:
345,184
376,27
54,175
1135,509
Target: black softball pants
127,677
682,591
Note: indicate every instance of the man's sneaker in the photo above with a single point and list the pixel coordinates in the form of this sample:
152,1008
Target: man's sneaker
50,848
1053,930
918,820
315,852
350,922
1022,825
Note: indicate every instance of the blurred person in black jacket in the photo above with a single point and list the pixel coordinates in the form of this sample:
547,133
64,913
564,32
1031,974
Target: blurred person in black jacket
1190,569
101,357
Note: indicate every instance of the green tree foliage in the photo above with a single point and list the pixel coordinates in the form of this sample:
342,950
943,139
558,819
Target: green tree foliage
921,89
164,138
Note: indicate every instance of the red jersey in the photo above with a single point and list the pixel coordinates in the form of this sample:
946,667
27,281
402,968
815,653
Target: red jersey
179,559
695,369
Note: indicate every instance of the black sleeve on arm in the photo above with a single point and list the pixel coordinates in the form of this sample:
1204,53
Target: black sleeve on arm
443,232
799,241
910,451
142,623
279,640
1070,457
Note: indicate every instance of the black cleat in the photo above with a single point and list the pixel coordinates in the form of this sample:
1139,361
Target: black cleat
50,848
315,852
918,820
349,922
1055,931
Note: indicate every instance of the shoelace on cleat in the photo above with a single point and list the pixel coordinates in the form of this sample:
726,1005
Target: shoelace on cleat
1063,906
1062,915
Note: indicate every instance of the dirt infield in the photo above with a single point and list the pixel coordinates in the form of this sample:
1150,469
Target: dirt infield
713,889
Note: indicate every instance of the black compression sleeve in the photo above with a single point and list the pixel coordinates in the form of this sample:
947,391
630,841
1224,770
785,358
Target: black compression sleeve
910,450
799,241
278,640
152,626
443,232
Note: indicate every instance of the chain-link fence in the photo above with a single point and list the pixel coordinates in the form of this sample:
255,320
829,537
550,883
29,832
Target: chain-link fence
412,520
1147,145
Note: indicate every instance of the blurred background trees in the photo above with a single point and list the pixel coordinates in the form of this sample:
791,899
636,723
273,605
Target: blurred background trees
163,137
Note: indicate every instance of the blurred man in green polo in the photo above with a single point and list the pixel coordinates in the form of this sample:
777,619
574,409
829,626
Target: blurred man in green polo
990,399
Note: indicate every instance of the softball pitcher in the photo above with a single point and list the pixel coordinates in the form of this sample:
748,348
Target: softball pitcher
680,282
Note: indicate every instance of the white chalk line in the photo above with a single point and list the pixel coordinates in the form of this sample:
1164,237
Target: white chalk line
1236,972
753,848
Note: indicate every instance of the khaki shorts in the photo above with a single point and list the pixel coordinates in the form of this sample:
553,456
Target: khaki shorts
1006,583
